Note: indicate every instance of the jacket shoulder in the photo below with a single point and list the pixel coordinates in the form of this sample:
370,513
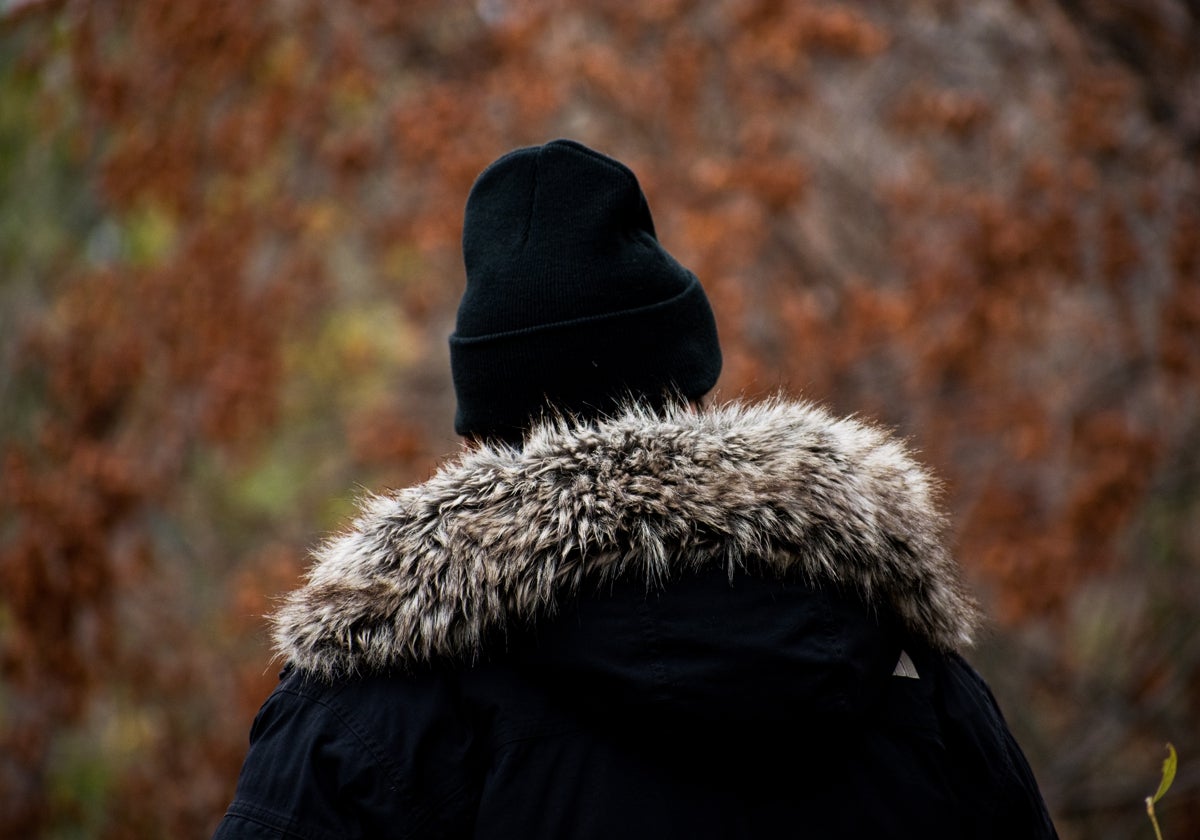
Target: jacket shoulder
993,780
385,755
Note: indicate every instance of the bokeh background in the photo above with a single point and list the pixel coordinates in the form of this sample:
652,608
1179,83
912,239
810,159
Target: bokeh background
229,263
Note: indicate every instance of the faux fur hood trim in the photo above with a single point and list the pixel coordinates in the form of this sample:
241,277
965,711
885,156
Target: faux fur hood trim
500,537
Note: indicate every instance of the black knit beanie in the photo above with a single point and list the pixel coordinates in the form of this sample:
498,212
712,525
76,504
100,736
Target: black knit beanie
571,303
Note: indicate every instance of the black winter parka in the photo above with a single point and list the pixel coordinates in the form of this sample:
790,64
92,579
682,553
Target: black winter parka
736,623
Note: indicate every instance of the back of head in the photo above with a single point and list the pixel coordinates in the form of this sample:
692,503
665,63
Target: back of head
571,304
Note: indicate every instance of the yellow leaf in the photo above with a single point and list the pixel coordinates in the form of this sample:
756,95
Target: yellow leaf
1170,763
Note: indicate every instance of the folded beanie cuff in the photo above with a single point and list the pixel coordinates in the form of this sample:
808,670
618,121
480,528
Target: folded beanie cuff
585,365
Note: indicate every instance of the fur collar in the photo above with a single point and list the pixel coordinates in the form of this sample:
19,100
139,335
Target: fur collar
499,537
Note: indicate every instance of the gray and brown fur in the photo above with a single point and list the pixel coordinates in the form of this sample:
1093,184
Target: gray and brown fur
500,537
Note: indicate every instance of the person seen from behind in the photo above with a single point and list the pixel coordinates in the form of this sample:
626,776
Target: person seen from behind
621,613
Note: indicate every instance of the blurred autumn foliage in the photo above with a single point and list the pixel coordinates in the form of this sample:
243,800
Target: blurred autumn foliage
229,262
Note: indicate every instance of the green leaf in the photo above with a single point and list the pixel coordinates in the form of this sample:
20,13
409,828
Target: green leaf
1168,773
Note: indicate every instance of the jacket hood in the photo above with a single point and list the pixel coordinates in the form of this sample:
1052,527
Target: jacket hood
500,539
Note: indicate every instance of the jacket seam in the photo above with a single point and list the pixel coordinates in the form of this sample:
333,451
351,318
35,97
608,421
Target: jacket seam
369,744
837,643
653,640
268,818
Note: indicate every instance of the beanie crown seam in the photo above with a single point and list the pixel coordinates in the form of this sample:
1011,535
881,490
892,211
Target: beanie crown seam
533,192
600,158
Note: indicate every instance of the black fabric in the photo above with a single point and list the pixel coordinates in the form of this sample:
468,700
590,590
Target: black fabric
708,709
375,757
571,302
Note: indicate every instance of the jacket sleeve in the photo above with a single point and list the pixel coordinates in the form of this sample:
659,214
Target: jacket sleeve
387,757
995,785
